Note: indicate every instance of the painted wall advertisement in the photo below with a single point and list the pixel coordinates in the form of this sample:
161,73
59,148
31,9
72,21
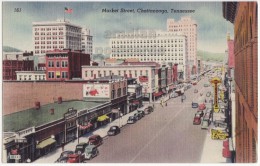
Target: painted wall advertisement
96,90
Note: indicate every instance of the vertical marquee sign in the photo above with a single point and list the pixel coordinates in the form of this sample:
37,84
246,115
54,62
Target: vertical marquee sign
216,81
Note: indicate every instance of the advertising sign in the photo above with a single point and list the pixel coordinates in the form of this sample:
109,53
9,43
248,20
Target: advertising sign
96,90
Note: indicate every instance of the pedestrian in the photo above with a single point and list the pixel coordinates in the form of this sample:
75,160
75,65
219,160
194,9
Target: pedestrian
161,102
166,103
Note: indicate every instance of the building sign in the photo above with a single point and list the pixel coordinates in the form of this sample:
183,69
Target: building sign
218,134
143,78
20,140
15,157
71,113
26,132
215,81
96,90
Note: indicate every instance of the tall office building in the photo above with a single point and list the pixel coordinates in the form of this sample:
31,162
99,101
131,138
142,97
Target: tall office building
87,42
151,45
52,35
188,27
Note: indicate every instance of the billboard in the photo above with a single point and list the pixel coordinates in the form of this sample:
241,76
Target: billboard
96,90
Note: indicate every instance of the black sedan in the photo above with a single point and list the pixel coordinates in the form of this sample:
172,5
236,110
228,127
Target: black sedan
114,130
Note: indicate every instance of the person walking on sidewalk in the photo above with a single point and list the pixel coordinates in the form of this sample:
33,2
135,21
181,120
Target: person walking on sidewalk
183,97
161,102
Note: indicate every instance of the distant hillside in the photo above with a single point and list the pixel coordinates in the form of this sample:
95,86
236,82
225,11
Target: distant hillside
209,56
99,57
10,49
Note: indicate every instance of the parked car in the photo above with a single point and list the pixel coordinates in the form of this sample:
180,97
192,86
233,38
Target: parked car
194,105
150,108
90,152
220,123
137,116
142,109
205,124
80,148
114,130
95,140
64,156
197,119
201,113
174,94
196,91
75,158
202,106
141,113
131,120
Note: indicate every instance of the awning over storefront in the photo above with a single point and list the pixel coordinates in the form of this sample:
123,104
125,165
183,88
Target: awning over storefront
102,118
136,102
45,143
81,127
157,94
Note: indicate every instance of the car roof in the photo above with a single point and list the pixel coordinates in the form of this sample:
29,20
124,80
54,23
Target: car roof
94,136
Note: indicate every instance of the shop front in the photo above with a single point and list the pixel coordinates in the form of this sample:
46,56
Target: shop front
70,118
46,146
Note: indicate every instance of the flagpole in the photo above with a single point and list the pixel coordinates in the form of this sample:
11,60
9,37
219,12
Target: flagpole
64,15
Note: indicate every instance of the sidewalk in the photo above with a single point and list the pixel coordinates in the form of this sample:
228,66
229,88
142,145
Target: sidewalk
102,131
212,151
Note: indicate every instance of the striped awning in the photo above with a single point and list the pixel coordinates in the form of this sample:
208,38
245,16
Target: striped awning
81,127
45,143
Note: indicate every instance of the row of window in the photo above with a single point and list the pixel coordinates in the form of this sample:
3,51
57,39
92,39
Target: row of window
48,29
52,75
119,93
141,46
119,72
63,63
36,77
49,38
146,50
147,41
151,54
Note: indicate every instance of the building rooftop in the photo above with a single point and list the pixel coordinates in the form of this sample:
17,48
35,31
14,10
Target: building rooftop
32,117
140,63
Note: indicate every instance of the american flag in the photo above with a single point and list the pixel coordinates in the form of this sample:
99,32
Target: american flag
68,10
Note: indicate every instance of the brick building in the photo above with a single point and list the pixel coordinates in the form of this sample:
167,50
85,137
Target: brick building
13,62
65,64
244,17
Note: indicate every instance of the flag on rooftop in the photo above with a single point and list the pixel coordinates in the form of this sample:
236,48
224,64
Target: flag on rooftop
68,10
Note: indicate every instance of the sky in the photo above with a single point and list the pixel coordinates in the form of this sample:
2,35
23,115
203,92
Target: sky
211,25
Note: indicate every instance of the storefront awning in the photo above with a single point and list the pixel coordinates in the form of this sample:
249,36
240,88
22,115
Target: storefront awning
81,127
45,143
102,118
157,94
136,102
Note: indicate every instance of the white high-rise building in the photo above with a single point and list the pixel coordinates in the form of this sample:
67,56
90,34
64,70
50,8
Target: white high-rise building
50,35
151,45
188,27
87,42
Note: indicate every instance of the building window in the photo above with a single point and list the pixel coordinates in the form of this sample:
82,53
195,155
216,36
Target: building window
146,72
91,73
86,73
119,73
57,64
105,73
119,92
51,74
113,94
50,64
135,73
124,91
64,63
64,74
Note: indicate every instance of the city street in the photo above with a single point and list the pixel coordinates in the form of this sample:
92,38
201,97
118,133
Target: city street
165,136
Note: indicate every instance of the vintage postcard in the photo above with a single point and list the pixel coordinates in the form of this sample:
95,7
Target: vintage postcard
129,82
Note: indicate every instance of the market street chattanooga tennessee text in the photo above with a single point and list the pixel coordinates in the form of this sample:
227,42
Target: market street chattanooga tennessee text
141,10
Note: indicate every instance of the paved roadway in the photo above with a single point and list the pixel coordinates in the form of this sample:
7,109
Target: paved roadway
165,136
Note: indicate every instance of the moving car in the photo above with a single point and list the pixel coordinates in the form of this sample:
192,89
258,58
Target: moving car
141,113
95,140
202,106
75,158
114,130
90,152
194,105
81,147
137,116
131,120
64,156
197,119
